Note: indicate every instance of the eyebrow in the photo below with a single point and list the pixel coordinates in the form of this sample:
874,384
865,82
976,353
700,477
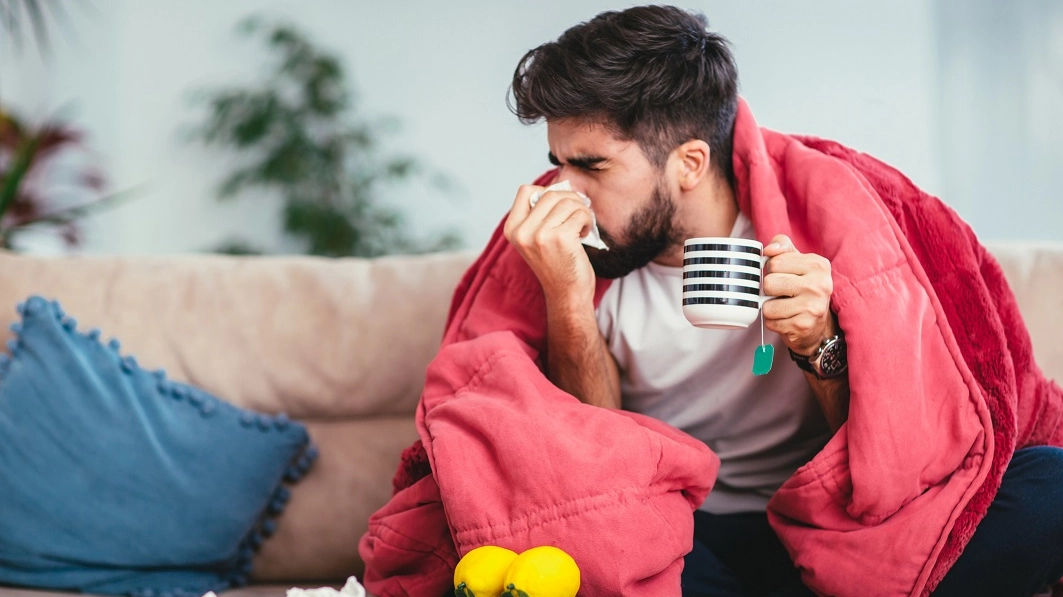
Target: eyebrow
584,162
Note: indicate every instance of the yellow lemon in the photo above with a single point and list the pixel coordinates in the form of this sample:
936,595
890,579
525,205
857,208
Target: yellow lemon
544,571
480,572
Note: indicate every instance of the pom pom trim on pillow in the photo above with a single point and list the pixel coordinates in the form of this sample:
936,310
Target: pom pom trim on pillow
208,406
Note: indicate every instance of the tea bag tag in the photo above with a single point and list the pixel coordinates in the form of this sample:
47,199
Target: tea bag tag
764,354
762,359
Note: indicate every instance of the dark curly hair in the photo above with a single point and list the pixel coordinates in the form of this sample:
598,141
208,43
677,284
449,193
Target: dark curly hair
653,74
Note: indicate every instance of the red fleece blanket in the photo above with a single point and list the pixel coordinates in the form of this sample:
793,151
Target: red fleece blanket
943,390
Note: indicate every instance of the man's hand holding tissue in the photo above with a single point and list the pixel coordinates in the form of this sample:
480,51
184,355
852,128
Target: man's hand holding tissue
548,237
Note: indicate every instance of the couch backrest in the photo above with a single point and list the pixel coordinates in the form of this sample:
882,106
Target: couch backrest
314,338
321,338
1035,274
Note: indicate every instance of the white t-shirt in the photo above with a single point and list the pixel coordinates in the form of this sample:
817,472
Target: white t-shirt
698,380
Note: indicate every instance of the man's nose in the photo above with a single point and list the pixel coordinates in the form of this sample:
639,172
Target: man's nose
574,176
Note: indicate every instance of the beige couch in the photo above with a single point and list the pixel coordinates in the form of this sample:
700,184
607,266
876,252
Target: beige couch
341,345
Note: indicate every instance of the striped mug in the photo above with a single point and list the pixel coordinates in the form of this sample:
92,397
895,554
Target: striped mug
721,282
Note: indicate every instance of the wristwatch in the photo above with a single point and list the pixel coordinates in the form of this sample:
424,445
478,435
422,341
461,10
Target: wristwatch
829,360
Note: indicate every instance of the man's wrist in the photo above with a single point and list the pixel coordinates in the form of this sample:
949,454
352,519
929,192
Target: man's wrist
569,306
829,361
811,344
578,319
828,356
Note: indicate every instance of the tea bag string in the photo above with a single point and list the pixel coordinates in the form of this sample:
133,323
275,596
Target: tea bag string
763,271
762,326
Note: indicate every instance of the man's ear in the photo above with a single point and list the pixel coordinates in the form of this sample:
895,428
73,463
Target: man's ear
693,163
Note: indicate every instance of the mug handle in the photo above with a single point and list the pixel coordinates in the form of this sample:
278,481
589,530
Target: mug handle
763,298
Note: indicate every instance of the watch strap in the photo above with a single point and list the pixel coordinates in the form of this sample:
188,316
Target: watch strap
813,363
804,363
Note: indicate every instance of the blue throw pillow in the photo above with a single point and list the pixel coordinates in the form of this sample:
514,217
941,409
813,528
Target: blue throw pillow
117,480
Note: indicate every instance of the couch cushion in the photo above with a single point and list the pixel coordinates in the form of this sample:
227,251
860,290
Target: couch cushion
317,538
117,480
311,337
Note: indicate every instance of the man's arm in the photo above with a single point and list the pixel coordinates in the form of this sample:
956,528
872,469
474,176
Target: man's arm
833,397
803,317
832,394
548,238
577,358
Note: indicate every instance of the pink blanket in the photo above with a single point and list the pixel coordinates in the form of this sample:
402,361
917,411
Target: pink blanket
944,389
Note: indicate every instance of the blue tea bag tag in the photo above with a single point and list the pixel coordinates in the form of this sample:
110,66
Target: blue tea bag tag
762,358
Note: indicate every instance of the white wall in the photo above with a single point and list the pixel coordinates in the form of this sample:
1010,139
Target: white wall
865,73
1001,114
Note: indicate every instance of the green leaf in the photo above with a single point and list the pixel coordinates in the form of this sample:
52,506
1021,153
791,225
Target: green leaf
237,247
66,215
400,167
258,116
21,164
235,183
327,232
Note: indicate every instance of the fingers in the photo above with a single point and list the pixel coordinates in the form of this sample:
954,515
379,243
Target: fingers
801,320
547,236
780,243
520,209
782,309
804,283
782,284
785,258
797,263
551,211
801,331
806,288
568,219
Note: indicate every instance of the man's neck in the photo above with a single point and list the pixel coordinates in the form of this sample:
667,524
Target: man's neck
708,210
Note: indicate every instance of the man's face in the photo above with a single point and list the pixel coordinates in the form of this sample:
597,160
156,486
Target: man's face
633,206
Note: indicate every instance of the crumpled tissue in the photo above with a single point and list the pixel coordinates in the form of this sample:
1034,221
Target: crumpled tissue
353,588
591,239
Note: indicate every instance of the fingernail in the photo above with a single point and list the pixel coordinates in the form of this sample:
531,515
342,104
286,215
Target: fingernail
773,246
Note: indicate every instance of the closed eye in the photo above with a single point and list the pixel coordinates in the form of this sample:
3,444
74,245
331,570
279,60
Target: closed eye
586,163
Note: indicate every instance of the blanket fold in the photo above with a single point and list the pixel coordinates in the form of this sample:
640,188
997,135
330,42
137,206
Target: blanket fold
943,390
1025,408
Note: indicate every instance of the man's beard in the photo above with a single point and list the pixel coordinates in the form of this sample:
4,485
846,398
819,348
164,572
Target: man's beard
650,232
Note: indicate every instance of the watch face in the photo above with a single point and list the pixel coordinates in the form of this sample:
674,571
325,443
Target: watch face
832,360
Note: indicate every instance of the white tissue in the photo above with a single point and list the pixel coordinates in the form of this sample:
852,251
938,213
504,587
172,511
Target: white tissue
353,588
593,238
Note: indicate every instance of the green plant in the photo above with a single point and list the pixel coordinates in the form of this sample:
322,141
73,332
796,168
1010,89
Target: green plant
299,135
34,157
31,194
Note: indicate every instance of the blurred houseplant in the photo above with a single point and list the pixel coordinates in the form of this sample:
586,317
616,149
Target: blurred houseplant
298,135
41,183
34,193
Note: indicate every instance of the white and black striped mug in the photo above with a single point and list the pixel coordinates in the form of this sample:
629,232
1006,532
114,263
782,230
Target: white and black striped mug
722,282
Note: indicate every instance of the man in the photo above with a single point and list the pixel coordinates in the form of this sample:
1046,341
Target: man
640,108
918,459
